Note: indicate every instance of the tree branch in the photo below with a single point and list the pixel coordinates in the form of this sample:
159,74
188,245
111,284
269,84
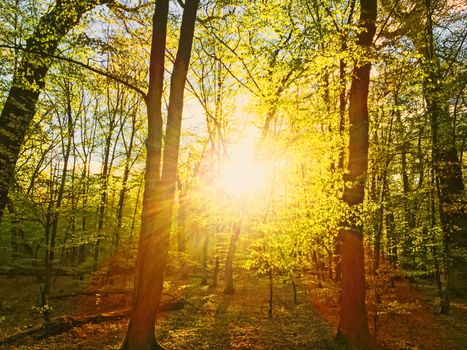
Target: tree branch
83,65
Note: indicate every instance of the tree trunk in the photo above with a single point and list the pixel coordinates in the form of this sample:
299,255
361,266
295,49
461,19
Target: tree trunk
28,81
124,188
158,195
204,277
434,248
393,252
271,290
216,271
409,222
150,268
228,271
353,325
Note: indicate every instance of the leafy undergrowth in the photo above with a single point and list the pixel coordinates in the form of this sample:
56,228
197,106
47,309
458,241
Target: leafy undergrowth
212,320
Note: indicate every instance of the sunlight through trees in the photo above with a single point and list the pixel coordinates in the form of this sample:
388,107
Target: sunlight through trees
194,168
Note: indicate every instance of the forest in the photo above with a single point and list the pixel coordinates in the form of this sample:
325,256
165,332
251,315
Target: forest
228,174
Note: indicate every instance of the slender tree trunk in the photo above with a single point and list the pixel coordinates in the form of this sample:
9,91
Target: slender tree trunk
84,223
124,189
73,200
47,229
434,248
204,277
271,290
294,293
353,325
228,270
216,271
392,240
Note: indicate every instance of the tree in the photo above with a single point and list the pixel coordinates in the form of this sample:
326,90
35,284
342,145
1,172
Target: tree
29,80
446,162
158,198
437,36
353,325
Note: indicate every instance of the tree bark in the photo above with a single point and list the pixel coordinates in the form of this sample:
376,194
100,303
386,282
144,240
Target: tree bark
353,325
29,80
150,269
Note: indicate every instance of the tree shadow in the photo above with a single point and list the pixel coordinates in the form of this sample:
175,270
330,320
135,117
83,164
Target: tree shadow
240,321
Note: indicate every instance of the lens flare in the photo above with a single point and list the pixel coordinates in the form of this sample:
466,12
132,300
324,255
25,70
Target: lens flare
242,174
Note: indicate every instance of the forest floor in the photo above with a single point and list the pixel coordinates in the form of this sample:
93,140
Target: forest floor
407,317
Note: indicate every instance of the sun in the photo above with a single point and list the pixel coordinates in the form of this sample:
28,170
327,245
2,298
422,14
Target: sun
242,174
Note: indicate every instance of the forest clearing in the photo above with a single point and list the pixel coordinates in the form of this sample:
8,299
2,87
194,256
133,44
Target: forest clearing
232,174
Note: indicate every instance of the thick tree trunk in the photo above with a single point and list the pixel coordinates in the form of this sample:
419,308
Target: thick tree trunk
353,325
150,269
159,191
28,81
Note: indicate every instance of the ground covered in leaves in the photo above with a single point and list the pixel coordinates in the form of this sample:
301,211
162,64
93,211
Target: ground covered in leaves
407,317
